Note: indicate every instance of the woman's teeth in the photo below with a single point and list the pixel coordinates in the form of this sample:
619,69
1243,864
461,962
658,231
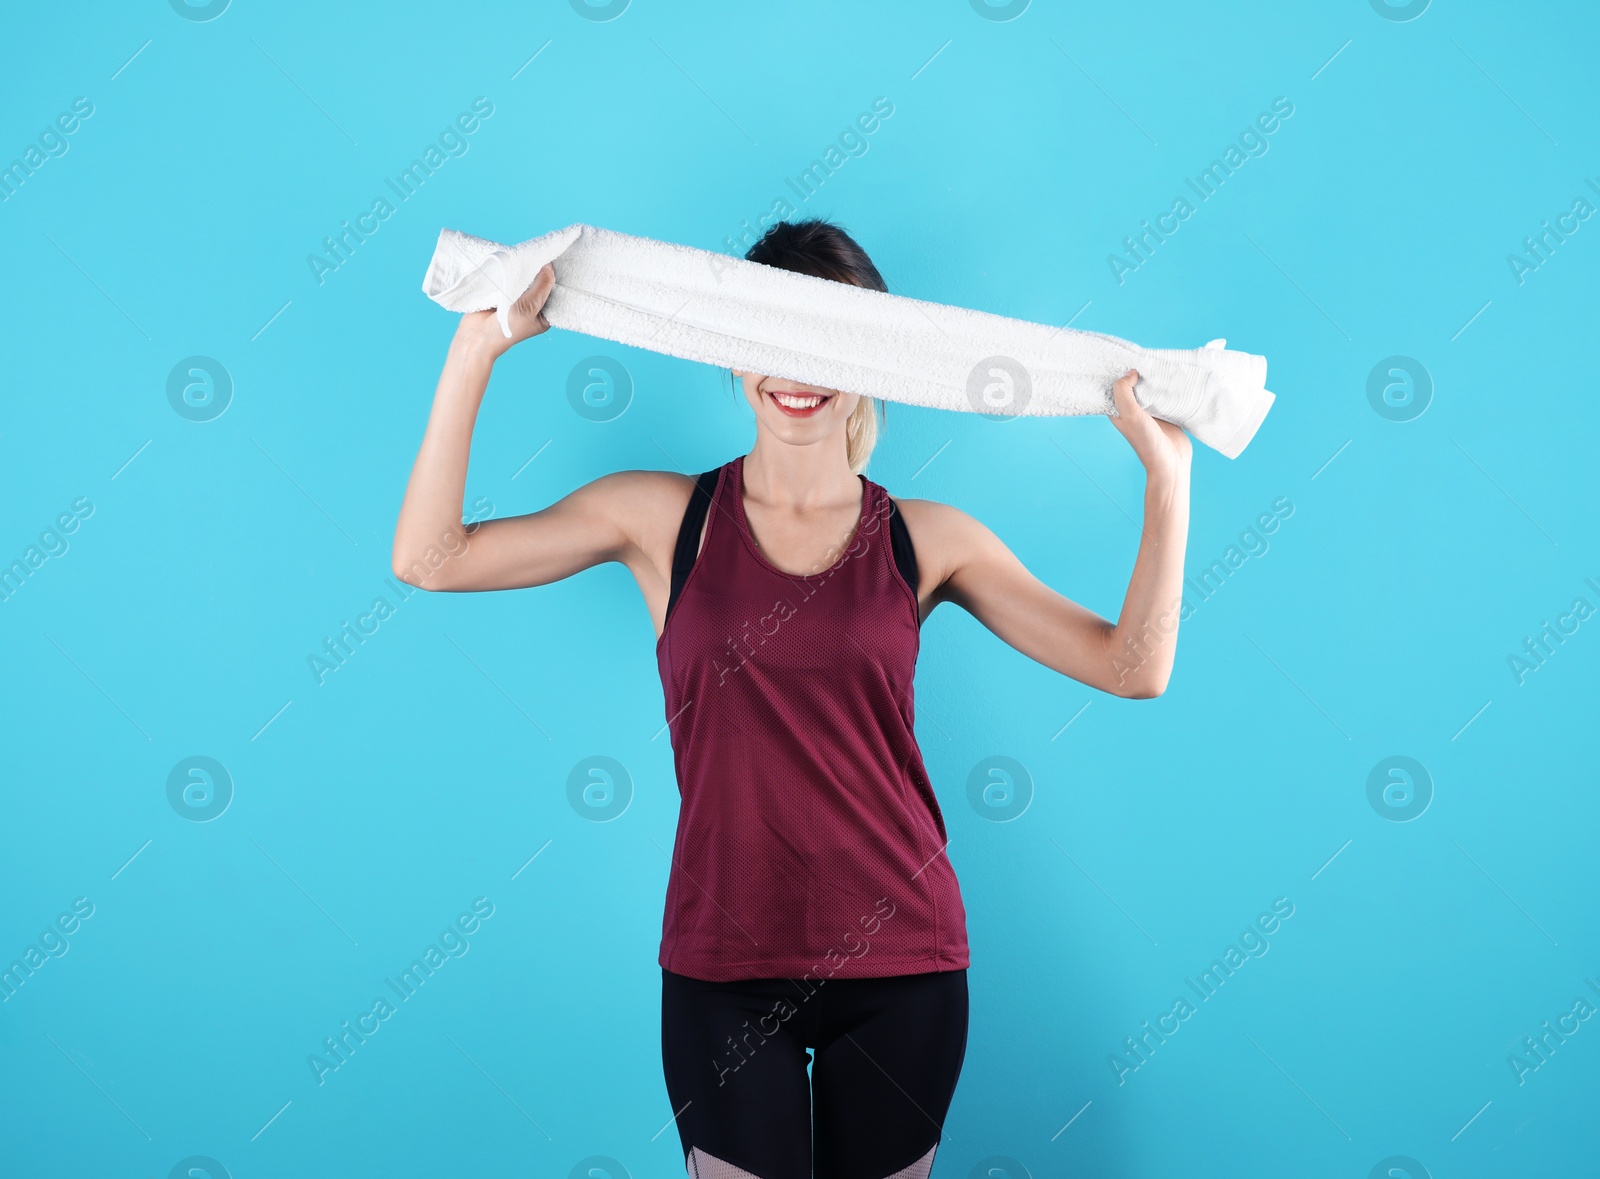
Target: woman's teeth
795,402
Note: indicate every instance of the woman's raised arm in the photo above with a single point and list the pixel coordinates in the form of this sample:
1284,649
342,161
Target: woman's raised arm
433,549
969,565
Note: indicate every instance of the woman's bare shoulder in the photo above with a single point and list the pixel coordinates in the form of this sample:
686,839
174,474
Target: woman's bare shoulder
643,485
932,518
945,538
647,500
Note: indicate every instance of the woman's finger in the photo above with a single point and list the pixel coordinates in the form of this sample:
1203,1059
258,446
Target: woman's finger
1128,408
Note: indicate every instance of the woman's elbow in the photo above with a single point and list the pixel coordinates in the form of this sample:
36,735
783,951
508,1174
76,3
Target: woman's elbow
1141,688
414,570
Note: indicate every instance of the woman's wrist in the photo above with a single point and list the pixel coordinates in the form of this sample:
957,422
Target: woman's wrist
478,337
1167,484
1168,474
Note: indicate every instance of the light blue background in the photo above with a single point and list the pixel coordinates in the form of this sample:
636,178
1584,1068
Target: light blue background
369,810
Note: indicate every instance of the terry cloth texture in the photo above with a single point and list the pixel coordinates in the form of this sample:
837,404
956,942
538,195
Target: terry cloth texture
732,313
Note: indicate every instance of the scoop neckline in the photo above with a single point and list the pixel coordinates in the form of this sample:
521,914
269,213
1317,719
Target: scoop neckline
755,550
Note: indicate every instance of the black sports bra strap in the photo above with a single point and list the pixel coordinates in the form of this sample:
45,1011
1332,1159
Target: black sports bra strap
688,546
905,556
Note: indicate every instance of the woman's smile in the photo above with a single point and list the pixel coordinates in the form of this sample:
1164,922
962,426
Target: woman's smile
799,405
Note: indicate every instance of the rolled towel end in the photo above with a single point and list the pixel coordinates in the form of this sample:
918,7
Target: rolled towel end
1251,411
454,256
469,273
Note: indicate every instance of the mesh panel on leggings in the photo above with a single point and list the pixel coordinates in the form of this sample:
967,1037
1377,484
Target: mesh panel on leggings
706,1166
809,841
918,1169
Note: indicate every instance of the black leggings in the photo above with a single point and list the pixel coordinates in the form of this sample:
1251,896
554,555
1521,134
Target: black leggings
888,1052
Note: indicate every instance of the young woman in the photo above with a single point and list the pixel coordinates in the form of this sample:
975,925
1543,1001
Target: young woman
813,921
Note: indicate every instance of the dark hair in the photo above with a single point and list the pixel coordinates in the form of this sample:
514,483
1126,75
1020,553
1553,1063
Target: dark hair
822,249
818,248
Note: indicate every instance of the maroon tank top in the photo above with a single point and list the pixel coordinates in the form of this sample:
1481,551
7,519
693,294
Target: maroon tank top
809,839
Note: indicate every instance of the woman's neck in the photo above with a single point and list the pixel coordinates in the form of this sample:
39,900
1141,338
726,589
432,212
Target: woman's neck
800,478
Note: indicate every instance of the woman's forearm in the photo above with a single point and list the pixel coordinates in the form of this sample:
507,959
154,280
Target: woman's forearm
430,516
1144,641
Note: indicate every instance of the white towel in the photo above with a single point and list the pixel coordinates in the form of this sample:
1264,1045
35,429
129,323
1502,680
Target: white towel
732,313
